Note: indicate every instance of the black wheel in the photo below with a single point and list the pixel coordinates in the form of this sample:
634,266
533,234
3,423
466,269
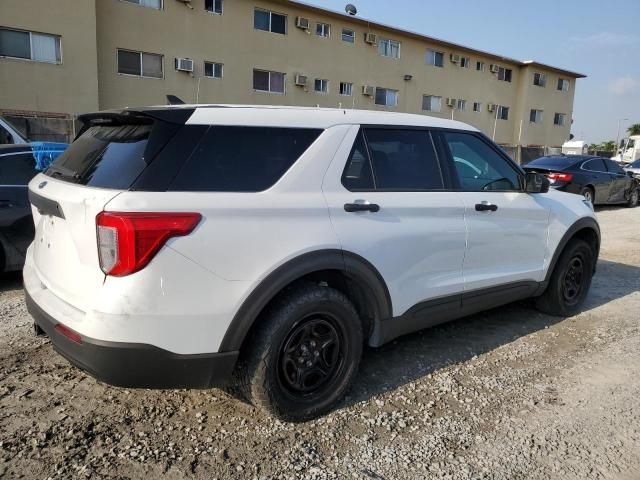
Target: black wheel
570,281
633,198
303,355
588,194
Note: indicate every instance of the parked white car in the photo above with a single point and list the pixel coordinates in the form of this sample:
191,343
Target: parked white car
189,246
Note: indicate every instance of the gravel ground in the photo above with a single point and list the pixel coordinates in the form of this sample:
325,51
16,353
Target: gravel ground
507,394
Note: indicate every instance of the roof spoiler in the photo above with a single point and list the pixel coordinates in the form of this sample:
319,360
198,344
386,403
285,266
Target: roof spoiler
140,116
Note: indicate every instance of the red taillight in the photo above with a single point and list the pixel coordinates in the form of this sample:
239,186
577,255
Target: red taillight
128,241
67,332
560,177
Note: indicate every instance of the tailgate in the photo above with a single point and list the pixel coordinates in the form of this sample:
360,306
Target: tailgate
65,251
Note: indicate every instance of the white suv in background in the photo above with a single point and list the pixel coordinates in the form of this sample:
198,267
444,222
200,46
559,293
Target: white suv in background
192,246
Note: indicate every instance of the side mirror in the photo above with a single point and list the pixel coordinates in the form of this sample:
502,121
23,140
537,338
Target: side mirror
629,173
536,183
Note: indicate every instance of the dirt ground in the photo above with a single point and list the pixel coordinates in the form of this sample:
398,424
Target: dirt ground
506,394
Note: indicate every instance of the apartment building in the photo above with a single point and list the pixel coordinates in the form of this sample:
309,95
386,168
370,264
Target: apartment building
67,57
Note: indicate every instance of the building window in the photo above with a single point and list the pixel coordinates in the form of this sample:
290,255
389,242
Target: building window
502,113
461,104
480,66
504,74
140,64
213,70
435,58
348,35
323,30
389,48
265,81
321,85
431,103
477,106
539,79
535,116
465,62
269,21
157,4
559,119
38,47
346,89
213,6
563,84
386,97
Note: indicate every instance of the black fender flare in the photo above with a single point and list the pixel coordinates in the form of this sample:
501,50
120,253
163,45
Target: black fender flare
353,266
581,224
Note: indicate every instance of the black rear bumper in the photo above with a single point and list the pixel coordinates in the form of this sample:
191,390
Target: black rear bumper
136,365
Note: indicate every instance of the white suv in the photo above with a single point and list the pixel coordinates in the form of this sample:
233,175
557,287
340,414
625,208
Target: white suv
194,245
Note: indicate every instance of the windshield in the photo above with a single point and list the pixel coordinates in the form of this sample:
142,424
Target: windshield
635,164
15,128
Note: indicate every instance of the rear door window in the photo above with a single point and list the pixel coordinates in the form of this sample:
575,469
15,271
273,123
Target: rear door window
595,165
242,159
403,160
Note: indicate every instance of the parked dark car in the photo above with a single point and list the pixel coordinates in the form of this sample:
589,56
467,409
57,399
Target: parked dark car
18,165
599,180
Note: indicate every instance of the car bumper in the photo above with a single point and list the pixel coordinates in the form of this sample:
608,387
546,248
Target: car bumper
134,365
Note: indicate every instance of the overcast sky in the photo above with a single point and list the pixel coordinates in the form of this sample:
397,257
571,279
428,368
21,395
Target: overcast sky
598,38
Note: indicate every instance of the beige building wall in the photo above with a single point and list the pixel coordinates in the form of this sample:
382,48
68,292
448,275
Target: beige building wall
93,30
69,87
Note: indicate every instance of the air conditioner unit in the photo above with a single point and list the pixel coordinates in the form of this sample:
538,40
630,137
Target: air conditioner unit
451,102
184,64
454,57
368,90
494,68
301,80
491,107
302,23
370,38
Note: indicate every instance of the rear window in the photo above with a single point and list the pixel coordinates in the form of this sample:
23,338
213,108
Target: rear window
105,156
552,162
242,159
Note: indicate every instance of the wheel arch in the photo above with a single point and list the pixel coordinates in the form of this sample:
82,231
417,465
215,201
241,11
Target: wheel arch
586,229
348,272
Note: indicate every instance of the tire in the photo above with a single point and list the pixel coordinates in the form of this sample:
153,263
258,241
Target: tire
283,368
570,281
588,194
633,198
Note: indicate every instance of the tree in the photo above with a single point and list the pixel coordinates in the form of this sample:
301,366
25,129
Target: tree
609,146
634,129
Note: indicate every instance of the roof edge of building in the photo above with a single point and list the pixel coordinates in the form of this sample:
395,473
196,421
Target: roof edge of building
421,36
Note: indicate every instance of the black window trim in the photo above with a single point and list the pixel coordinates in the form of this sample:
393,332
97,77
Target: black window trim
444,174
501,153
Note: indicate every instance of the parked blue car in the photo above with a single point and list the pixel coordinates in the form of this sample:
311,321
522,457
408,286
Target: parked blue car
19,163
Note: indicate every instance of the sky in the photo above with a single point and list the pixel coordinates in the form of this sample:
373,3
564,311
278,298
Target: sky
598,38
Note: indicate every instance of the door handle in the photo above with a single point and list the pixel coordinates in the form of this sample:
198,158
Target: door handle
361,207
486,207
6,204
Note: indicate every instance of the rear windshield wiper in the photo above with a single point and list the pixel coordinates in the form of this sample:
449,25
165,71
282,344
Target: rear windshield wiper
60,171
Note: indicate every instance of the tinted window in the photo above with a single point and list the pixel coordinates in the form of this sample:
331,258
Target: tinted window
613,167
242,159
635,164
17,169
595,165
480,167
357,174
105,156
403,160
552,162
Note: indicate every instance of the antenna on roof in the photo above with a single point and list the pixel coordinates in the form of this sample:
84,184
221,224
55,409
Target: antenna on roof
351,9
173,100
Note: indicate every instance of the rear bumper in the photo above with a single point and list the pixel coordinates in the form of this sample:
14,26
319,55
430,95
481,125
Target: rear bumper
136,365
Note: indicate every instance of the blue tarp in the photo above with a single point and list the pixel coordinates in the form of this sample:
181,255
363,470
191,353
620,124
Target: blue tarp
46,152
